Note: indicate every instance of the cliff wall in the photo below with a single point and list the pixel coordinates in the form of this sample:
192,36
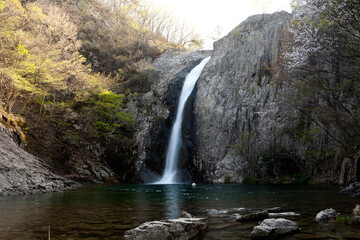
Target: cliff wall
23,173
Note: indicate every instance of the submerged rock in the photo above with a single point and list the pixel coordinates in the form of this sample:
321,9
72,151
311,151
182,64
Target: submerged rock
226,211
179,229
274,228
274,210
284,214
326,216
256,216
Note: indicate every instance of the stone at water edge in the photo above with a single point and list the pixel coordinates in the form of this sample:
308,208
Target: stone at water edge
356,210
173,229
326,216
353,189
253,216
274,228
186,215
284,214
274,210
193,184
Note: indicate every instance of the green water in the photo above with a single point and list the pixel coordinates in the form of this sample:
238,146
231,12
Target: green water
106,212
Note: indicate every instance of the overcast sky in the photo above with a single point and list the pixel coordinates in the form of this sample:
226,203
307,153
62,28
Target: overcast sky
206,15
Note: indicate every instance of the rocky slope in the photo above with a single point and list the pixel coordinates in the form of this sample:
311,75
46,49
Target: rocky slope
23,173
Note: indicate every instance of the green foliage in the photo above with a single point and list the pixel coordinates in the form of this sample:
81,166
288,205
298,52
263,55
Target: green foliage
344,219
326,65
228,180
249,180
244,145
107,107
280,162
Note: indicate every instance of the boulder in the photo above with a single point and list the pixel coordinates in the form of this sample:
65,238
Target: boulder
326,216
256,216
274,228
179,229
352,189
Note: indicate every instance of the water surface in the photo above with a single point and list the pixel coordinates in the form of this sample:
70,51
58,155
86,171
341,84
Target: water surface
106,212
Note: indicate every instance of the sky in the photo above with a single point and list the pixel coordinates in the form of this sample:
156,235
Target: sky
207,15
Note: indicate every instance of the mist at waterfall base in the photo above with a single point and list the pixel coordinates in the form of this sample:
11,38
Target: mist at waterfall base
172,155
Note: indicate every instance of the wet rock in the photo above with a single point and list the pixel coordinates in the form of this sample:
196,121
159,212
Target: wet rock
256,216
274,229
355,220
274,210
352,189
356,210
226,211
284,214
217,213
186,215
326,216
173,229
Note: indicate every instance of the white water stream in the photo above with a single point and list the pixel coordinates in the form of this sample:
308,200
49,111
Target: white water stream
172,155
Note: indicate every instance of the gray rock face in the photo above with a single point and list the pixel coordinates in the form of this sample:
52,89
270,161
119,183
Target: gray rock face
155,110
274,228
237,109
326,216
179,229
23,173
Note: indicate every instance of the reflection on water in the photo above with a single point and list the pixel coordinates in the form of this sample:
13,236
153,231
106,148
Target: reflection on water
107,212
171,201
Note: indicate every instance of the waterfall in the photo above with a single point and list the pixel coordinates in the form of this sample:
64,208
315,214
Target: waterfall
172,154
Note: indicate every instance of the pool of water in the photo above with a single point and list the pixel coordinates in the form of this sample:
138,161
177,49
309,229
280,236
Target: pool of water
106,212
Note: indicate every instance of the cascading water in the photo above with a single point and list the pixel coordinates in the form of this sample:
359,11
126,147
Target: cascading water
172,155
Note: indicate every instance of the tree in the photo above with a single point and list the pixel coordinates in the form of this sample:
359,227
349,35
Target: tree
324,60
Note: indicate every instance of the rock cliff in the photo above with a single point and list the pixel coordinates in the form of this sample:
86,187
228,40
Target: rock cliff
155,112
23,173
237,107
242,123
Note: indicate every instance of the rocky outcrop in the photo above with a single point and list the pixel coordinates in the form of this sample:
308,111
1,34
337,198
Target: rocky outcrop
237,107
173,229
274,228
155,111
23,173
